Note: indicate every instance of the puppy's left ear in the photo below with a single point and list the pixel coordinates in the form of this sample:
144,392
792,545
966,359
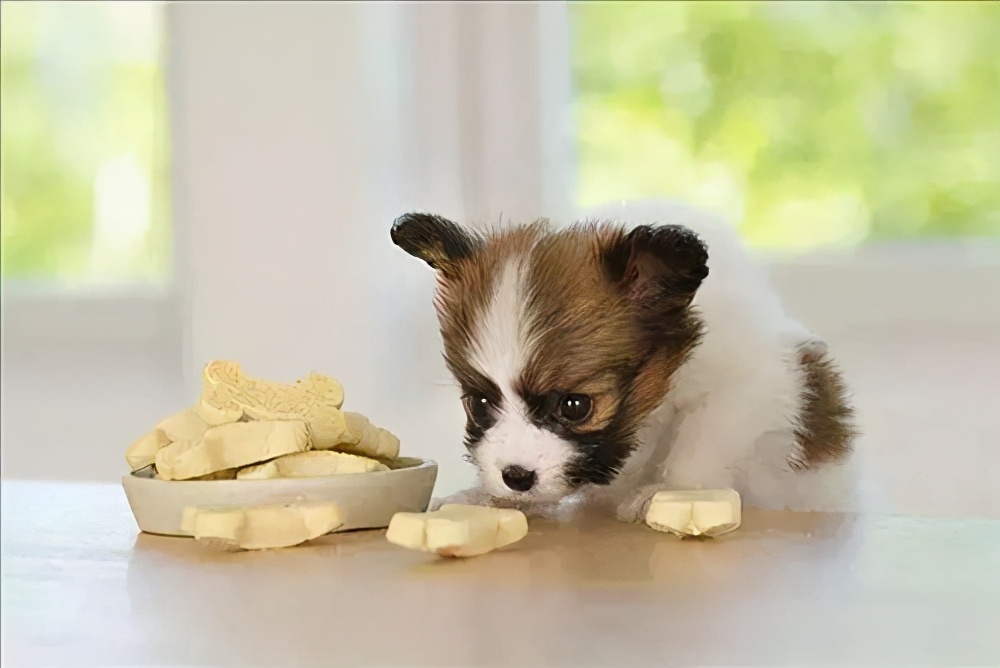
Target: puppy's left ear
437,241
658,268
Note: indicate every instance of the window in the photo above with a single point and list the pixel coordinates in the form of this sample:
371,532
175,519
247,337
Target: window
820,125
84,144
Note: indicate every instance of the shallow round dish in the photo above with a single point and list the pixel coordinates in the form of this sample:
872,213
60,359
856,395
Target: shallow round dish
368,500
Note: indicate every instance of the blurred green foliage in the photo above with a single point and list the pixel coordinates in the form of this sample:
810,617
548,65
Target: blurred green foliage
83,142
819,124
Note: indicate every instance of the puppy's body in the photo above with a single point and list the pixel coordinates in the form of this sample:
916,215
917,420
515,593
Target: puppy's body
758,406
610,360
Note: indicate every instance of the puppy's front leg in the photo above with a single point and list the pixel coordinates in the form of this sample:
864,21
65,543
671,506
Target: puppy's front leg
475,496
478,497
700,455
635,506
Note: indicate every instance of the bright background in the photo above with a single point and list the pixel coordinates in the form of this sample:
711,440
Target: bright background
816,123
197,180
85,142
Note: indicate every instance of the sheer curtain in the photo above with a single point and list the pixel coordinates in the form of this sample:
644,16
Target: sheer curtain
302,130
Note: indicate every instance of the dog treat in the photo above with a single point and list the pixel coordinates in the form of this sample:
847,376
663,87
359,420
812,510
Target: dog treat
187,425
458,530
229,396
261,527
215,417
365,439
706,512
311,464
231,446
142,453
316,400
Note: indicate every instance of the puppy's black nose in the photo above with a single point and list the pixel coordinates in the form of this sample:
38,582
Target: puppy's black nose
519,479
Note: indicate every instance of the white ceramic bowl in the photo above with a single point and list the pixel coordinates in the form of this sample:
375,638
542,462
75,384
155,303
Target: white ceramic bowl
368,500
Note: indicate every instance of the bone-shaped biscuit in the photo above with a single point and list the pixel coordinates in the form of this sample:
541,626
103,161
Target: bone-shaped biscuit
458,530
231,446
316,400
261,527
311,464
703,512
363,438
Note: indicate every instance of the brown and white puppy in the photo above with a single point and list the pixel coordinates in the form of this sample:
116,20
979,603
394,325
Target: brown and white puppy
635,352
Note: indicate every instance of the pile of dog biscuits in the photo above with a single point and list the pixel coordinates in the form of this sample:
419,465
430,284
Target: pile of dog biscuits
243,428
239,422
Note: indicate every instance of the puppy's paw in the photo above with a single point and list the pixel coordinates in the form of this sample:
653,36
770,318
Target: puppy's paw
470,497
478,497
635,506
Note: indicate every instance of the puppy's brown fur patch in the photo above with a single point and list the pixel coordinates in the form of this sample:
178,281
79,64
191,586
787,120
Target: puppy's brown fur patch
586,338
464,295
583,336
826,420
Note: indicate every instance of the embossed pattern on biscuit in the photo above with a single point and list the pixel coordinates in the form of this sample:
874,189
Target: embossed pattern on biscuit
316,399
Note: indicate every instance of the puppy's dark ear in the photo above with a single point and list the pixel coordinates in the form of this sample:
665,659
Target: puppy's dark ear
435,240
659,268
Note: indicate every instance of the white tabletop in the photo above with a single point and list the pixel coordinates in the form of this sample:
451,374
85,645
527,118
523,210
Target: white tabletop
81,586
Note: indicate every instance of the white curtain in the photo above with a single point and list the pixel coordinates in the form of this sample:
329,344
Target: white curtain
300,131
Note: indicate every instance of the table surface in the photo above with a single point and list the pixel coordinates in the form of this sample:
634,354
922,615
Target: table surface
81,586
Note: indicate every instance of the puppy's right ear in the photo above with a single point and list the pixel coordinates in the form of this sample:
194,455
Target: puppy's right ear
437,241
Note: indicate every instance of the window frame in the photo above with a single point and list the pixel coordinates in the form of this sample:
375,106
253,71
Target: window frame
131,312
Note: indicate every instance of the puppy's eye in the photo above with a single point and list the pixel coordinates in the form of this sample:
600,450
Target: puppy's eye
574,407
477,408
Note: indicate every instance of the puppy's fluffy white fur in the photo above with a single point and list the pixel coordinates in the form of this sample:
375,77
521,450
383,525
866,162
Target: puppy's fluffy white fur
730,418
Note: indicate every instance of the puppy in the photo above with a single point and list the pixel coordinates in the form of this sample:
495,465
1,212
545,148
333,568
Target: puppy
637,351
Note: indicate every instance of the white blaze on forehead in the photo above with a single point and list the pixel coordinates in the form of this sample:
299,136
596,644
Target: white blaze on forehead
500,349
500,343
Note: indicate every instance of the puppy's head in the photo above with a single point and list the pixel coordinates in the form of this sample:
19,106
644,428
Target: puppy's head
563,341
